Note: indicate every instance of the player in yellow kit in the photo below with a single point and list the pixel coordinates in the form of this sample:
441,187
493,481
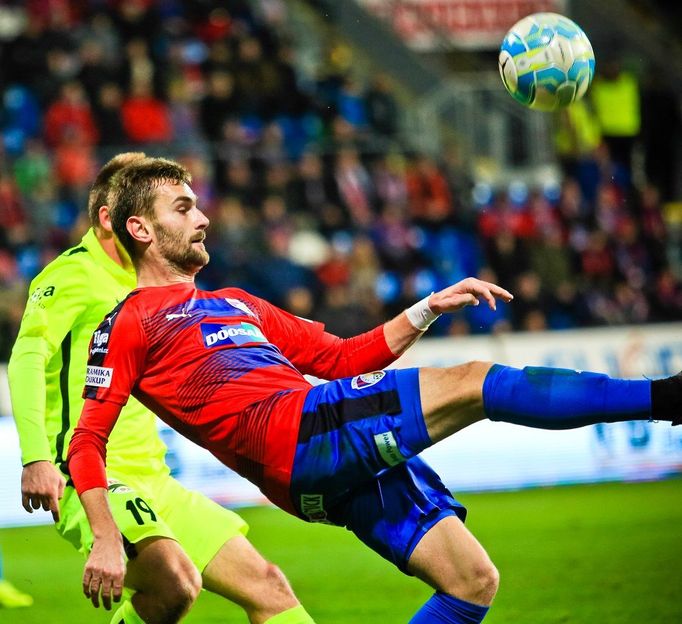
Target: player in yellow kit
168,559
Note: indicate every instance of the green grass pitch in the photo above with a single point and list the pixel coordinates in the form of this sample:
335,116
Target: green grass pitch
607,554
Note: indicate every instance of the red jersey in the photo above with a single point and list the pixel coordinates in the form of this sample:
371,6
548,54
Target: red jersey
224,368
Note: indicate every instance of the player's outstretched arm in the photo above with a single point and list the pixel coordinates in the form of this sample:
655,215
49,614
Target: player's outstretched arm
403,330
334,357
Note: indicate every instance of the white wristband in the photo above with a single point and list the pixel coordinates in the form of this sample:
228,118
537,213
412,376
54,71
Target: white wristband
420,315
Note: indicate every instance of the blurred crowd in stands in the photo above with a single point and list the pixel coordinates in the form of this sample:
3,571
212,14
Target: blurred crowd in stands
316,201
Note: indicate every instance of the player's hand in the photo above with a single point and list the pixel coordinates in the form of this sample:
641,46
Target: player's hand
42,485
469,291
104,572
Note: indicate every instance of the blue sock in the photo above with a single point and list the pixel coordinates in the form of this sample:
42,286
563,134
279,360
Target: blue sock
448,610
558,398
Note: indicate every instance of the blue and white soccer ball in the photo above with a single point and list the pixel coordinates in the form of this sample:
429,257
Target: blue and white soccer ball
546,61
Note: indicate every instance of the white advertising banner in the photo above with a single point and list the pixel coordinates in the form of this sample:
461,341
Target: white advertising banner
486,456
472,24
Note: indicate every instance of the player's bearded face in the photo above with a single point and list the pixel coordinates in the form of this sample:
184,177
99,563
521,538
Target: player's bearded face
181,249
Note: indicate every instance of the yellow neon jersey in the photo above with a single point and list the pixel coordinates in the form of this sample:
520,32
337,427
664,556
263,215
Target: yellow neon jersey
67,301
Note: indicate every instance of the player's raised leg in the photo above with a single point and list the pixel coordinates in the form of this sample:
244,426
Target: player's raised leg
666,399
545,398
451,560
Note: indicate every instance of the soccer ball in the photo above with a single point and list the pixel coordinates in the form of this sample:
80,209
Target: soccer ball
546,61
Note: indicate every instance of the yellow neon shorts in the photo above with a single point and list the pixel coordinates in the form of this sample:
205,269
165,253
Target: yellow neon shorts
155,507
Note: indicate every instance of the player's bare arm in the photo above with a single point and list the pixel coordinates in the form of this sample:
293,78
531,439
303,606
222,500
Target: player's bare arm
105,568
403,330
42,485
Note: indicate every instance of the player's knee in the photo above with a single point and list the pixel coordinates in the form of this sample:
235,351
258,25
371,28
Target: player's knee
478,584
278,583
486,582
179,594
274,594
468,379
473,370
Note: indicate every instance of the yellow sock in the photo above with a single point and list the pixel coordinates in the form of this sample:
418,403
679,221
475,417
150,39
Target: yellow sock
126,614
296,615
11,597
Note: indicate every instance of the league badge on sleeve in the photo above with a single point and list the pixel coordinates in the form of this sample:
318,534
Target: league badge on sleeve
98,344
368,379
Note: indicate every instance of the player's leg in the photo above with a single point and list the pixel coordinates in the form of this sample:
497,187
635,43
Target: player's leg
546,398
351,429
165,581
410,518
10,596
162,577
355,467
666,399
214,538
453,562
241,574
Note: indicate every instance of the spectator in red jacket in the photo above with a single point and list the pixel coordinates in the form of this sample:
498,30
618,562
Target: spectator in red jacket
430,201
70,115
146,119
12,212
75,165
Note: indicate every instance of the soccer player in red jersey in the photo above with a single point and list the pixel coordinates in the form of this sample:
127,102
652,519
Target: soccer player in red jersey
168,560
226,369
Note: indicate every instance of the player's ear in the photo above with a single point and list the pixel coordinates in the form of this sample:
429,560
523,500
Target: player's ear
139,229
105,219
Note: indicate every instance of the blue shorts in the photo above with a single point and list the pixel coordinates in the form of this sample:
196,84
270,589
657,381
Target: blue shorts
355,463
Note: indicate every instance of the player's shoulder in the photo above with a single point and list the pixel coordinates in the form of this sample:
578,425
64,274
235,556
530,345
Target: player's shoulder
238,293
233,292
129,303
67,272
73,258
147,305
123,309
239,298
